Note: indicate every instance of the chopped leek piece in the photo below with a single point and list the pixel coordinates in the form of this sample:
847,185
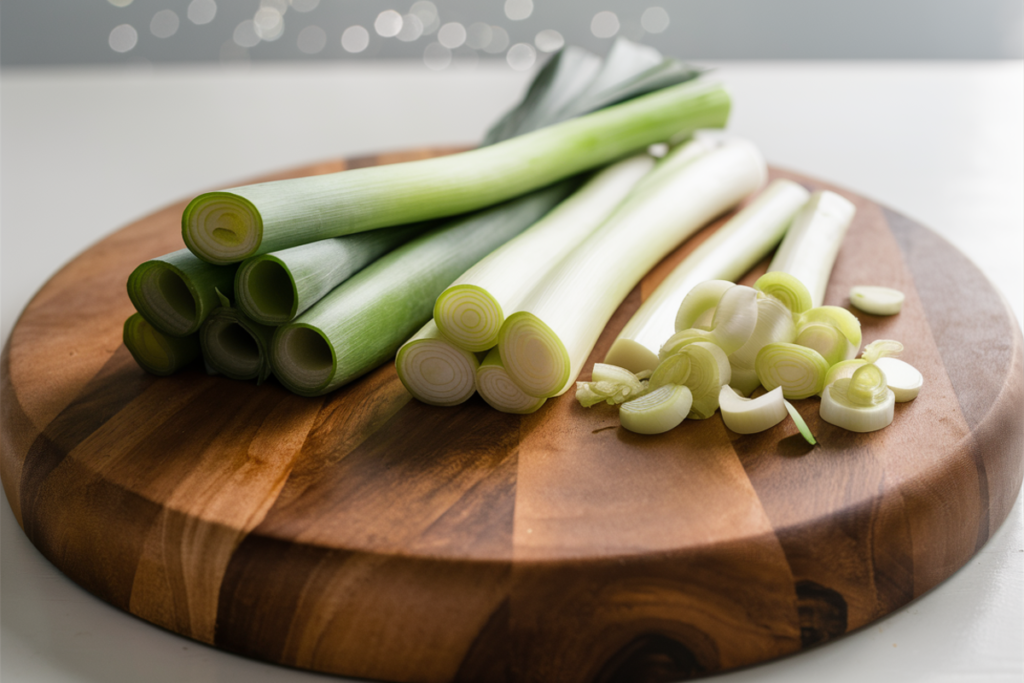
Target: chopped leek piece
786,289
839,410
657,412
236,346
232,225
273,289
702,297
844,322
866,386
877,300
499,391
364,320
156,352
434,370
823,338
611,384
881,348
774,324
176,292
903,379
729,253
735,318
750,416
703,368
545,344
809,249
842,369
744,380
800,371
801,425
470,311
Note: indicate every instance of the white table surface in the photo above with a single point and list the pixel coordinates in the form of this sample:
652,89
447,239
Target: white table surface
86,151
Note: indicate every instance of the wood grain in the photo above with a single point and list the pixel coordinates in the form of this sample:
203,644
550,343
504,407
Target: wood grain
365,534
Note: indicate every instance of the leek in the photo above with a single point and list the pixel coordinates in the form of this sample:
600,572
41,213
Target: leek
177,291
156,352
703,368
610,384
811,245
801,426
434,370
750,416
364,320
236,346
273,289
725,256
545,344
499,391
657,412
862,403
800,371
231,225
470,312
903,379
877,300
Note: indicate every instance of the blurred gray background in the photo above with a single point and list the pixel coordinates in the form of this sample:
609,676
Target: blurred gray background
442,33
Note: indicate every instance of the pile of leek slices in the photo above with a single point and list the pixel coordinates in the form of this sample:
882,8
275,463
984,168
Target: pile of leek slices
766,341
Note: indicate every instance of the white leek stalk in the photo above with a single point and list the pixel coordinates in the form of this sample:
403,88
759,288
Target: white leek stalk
811,245
176,292
499,391
434,370
903,379
470,312
156,352
800,371
750,416
232,225
725,256
877,300
545,344
657,412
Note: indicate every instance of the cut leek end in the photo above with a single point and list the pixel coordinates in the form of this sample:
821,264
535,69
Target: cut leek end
222,227
903,379
437,372
235,347
877,300
500,392
534,356
162,295
798,370
750,416
661,410
303,359
265,290
631,355
469,317
155,352
837,410
801,425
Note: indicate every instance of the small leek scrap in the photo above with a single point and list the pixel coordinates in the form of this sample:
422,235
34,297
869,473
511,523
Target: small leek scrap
156,352
232,225
434,370
725,256
176,292
273,289
544,345
364,320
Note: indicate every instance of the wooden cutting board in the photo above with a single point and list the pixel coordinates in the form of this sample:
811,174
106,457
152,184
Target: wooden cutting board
366,534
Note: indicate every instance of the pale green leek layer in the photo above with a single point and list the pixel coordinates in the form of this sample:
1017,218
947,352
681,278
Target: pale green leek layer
434,370
499,391
545,344
729,253
273,289
176,292
156,352
232,225
471,311
235,346
364,320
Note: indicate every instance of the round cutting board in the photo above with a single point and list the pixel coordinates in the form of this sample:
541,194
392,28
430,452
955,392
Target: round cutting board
365,534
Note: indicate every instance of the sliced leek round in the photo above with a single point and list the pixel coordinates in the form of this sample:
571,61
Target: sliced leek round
434,370
877,300
798,370
499,391
839,410
156,352
236,346
176,292
903,379
657,412
750,416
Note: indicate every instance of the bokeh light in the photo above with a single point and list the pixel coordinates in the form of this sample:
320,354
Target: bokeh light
164,24
499,40
304,5
654,19
123,38
604,24
452,35
437,57
478,35
427,13
521,56
312,40
269,23
517,10
202,11
388,24
120,3
549,40
355,39
412,28
245,34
